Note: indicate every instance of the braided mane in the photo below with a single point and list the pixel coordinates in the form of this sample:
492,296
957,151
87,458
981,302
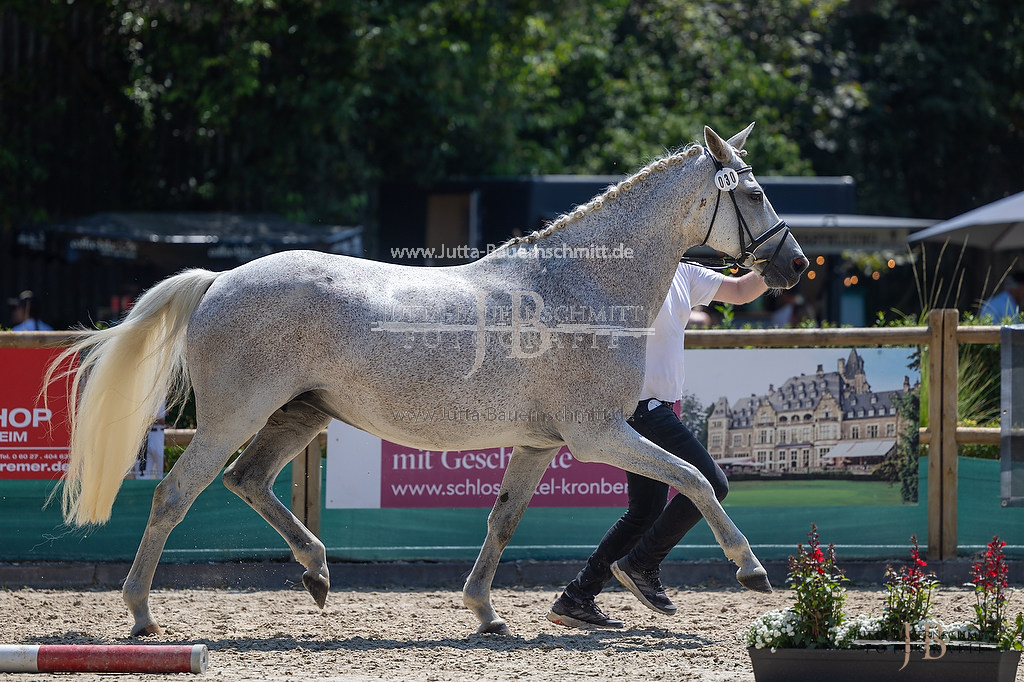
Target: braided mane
559,223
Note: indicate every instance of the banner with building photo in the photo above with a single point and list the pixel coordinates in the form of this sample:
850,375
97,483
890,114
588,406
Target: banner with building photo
791,427
815,427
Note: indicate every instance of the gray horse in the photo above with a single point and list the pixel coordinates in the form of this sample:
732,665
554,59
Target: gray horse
546,335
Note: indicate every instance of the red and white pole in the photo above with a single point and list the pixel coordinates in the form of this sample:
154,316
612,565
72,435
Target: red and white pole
103,658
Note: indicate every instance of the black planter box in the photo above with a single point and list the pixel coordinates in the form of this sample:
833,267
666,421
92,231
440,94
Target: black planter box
867,664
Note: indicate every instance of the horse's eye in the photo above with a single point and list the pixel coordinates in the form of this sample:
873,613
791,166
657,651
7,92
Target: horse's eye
756,197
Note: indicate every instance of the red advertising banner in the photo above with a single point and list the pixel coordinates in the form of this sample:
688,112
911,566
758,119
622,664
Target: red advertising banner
365,472
33,434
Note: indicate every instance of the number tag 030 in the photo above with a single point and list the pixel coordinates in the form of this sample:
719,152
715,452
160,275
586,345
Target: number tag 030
727,180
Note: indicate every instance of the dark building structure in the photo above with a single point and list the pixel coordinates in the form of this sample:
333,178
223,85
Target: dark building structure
484,212
89,270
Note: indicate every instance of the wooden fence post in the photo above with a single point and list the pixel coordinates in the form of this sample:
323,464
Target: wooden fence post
943,360
306,486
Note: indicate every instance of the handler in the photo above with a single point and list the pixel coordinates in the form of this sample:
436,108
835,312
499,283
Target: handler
634,547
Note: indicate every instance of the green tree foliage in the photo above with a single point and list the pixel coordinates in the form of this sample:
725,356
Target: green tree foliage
694,415
300,107
944,104
609,85
900,466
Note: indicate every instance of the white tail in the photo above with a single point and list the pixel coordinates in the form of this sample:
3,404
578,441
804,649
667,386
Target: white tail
128,371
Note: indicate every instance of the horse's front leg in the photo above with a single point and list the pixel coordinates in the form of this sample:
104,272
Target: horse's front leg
525,469
619,445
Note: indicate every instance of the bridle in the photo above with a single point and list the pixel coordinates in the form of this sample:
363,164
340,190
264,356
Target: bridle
727,180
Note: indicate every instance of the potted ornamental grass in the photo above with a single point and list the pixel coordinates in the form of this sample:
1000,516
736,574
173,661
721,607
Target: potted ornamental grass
815,640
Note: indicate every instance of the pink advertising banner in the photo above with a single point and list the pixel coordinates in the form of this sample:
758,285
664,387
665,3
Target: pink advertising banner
366,472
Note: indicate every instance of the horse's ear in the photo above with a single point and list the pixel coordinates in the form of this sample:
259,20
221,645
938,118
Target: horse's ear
718,147
737,140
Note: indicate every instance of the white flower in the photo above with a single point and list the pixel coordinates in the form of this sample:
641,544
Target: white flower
772,629
960,631
857,627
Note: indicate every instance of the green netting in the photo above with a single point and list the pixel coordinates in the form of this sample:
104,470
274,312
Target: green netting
220,526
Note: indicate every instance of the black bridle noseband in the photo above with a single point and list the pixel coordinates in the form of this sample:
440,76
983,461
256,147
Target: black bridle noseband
727,180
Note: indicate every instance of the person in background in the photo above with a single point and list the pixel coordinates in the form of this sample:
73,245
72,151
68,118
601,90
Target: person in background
785,315
635,546
24,313
1007,302
150,462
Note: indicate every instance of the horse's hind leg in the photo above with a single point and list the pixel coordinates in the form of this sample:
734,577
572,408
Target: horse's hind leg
194,470
252,475
525,469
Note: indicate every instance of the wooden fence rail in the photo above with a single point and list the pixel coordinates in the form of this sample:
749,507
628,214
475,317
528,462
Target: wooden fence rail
942,335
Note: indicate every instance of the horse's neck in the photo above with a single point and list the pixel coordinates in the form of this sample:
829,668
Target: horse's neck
654,222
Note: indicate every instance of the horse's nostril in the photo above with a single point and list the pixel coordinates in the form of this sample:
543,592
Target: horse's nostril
799,264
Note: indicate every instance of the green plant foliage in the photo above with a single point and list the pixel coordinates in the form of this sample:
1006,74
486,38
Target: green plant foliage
909,593
991,591
819,594
939,285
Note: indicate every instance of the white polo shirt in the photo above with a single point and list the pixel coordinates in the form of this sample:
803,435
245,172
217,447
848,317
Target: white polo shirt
664,375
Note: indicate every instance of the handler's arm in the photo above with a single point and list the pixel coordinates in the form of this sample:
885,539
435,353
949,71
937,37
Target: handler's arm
740,290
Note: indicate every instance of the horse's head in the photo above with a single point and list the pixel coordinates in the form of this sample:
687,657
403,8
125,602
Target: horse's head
741,220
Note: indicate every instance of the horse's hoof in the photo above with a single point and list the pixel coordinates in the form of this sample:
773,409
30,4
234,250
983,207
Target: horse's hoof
756,580
146,630
318,586
495,627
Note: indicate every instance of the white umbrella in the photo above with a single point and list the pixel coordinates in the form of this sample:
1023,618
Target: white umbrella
998,226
